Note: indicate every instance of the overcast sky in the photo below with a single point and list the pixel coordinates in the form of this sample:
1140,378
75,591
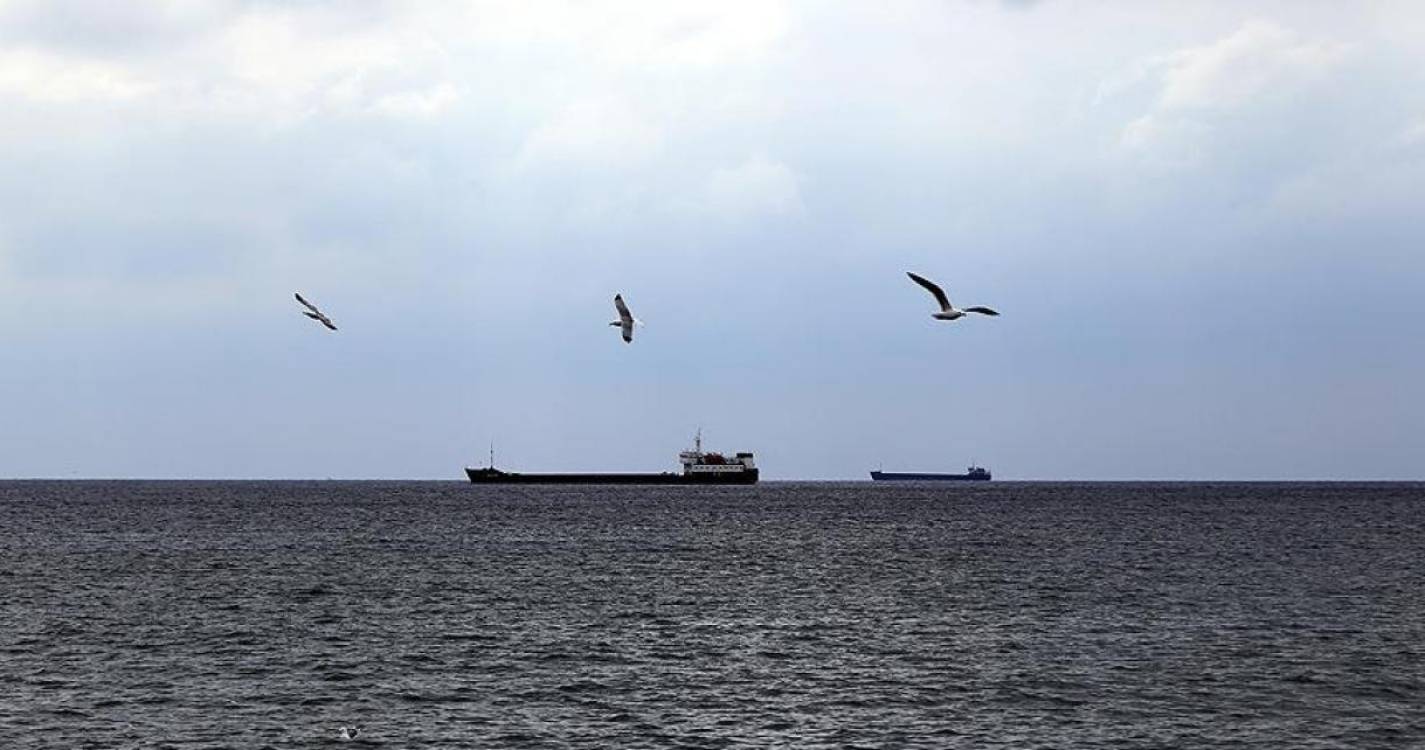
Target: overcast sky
1204,224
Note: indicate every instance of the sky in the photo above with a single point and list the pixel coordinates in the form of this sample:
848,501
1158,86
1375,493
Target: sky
1201,222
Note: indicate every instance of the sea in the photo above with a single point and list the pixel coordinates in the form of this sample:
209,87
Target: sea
786,615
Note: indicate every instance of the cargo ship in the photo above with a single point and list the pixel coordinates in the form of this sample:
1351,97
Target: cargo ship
972,474
698,468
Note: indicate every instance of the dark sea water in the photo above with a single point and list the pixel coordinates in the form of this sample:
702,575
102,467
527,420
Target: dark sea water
248,615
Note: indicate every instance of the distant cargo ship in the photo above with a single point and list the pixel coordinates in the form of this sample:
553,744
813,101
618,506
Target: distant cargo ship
698,468
972,474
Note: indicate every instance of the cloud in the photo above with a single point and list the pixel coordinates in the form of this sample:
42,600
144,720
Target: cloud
606,130
1243,66
427,102
1259,64
265,62
105,30
280,64
673,37
1413,134
757,187
51,79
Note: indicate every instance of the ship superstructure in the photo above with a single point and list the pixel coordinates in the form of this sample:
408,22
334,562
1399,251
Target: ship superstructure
697,463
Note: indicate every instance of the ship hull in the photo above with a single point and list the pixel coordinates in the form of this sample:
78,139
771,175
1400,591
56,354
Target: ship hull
895,476
486,476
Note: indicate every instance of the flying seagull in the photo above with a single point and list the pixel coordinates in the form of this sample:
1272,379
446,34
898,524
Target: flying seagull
625,321
315,314
947,310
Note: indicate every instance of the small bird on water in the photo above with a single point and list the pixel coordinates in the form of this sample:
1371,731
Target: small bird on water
314,313
625,321
350,734
947,310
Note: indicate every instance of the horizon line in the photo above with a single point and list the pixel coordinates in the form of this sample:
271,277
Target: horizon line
788,480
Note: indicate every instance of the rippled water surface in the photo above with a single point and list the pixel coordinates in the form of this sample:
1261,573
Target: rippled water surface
229,614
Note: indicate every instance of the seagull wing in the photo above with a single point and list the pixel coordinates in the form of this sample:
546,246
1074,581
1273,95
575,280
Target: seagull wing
624,315
307,304
627,329
981,310
934,289
317,316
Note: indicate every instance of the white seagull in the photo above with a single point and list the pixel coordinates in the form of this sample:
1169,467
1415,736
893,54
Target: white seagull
947,310
315,314
625,321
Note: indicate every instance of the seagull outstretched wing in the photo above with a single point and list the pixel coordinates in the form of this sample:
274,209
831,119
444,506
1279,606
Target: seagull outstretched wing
934,289
981,310
307,304
625,319
315,314
624,315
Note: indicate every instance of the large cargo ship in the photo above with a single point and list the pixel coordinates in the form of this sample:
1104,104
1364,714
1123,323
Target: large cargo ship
972,474
698,468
